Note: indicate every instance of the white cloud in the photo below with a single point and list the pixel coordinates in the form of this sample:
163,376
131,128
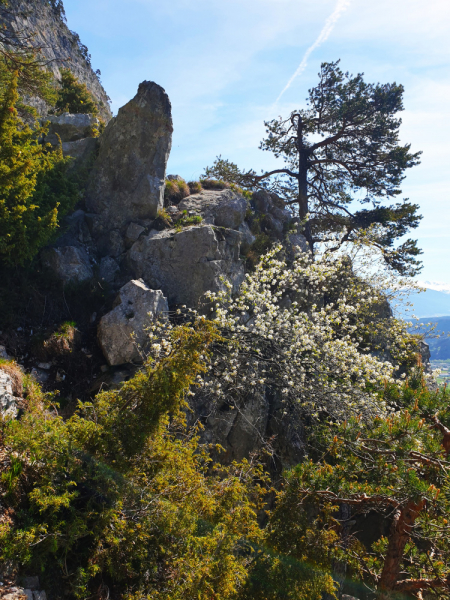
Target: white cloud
341,6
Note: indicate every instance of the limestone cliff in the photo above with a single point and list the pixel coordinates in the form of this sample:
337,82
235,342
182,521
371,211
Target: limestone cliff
61,47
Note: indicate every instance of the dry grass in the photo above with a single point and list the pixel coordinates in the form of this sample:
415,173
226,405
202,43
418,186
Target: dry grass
195,187
12,369
175,191
214,184
62,341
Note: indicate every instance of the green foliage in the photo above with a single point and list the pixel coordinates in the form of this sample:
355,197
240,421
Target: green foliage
34,189
397,466
214,184
118,492
346,142
73,96
185,220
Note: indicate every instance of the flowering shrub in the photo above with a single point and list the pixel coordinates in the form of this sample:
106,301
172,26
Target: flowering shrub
313,331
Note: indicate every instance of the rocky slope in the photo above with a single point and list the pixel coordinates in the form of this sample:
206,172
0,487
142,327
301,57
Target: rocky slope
60,47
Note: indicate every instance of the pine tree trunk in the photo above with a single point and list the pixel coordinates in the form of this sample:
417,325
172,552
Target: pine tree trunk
404,519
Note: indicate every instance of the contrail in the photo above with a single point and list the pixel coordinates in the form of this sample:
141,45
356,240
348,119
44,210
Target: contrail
341,6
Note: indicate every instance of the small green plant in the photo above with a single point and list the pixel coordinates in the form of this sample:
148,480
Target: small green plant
187,220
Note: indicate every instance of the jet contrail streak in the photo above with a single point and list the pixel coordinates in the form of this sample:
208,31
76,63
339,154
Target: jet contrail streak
341,6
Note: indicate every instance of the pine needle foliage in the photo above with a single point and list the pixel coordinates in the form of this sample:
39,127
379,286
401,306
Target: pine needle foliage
34,191
119,495
396,466
73,96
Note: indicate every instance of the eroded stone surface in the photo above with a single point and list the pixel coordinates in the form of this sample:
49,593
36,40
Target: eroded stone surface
186,264
70,263
121,332
8,404
69,127
127,181
223,208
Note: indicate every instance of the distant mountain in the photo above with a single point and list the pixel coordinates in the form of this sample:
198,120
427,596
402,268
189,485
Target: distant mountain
439,347
431,303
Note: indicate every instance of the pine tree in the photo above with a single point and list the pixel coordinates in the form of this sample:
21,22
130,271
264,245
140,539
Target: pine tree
30,205
73,96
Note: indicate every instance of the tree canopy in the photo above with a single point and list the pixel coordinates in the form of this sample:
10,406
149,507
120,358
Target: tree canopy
342,150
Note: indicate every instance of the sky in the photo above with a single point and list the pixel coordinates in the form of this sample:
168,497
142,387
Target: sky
228,66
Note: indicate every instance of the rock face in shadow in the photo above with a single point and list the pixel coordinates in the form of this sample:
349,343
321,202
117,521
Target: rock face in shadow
241,427
70,263
188,263
127,182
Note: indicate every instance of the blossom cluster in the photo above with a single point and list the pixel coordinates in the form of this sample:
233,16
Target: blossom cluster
312,331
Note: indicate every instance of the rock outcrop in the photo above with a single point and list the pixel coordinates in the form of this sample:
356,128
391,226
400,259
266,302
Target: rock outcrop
185,264
70,263
224,209
127,181
8,403
243,428
69,128
121,332
60,47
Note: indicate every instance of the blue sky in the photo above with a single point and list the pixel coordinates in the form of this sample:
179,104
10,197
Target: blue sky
224,64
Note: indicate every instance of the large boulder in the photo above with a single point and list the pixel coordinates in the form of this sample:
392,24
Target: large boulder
8,403
127,181
69,263
70,128
188,263
223,208
121,332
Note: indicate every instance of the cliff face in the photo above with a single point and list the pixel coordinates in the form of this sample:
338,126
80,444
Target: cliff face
60,46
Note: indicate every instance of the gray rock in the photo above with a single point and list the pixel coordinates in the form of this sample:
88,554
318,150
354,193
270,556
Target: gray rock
69,128
39,595
8,404
174,178
347,597
223,208
40,375
133,232
81,150
295,243
108,269
188,263
127,181
3,353
75,231
31,583
262,201
247,237
122,331
242,426
69,263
